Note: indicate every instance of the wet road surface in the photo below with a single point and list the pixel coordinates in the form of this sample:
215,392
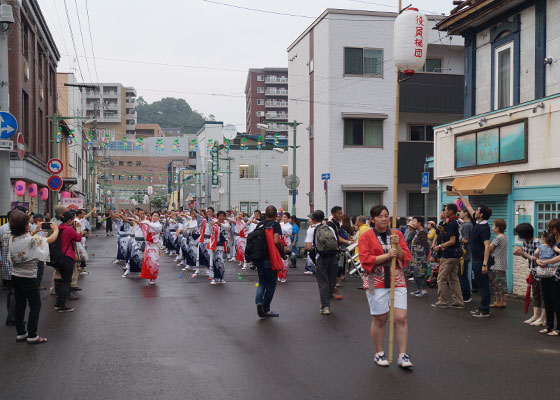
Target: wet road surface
186,339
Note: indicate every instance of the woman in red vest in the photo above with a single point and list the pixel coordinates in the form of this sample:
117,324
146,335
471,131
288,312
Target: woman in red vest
376,253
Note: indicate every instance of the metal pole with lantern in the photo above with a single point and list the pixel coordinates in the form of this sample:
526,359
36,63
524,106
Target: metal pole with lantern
409,53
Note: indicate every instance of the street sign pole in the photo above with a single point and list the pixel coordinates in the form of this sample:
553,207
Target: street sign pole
426,193
326,195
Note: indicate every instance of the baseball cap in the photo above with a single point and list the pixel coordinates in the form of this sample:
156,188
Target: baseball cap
317,215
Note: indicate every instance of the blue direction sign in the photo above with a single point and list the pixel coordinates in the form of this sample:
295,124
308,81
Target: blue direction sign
8,125
54,182
326,176
425,185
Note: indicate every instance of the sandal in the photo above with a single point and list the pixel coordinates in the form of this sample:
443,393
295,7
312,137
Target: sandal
545,331
37,340
553,333
495,305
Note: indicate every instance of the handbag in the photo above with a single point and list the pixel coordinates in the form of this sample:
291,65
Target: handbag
547,271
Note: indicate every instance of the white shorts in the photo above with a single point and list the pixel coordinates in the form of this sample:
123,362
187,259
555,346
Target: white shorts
380,300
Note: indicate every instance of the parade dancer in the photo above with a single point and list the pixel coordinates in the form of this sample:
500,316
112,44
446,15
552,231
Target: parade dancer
150,262
230,218
138,246
192,236
123,239
205,232
241,228
217,246
287,242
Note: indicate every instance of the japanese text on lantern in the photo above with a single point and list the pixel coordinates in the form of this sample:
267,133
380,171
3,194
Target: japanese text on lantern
418,42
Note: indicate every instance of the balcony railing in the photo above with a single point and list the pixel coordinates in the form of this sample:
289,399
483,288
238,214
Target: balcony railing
275,92
277,128
276,79
276,116
277,104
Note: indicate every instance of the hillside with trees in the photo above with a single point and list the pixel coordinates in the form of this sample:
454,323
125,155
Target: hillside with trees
170,112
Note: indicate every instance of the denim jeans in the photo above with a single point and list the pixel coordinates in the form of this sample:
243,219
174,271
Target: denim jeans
464,279
27,291
551,292
268,278
483,285
10,302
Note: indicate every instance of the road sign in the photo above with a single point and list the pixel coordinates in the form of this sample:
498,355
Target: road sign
6,145
8,125
326,176
54,182
55,166
425,184
20,146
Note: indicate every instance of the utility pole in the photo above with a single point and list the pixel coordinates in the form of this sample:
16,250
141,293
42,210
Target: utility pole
229,160
5,184
294,176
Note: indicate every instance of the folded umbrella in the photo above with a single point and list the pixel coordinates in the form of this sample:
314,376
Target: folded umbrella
530,279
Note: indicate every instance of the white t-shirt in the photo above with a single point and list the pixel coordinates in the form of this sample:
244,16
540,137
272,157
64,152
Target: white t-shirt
310,233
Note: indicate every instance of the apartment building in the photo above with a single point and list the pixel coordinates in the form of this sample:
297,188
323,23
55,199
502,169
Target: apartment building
266,93
342,91
113,106
501,151
32,62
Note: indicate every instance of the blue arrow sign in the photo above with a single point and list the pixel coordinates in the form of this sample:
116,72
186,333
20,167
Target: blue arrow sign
326,176
8,125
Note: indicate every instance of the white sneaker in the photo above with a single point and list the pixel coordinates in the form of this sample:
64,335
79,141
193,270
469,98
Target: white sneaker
308,273
185,268
116,262
381,360
244,268
181,263
126,273
196,272
213,282
222,281
152,281
283,280
404,361
178,258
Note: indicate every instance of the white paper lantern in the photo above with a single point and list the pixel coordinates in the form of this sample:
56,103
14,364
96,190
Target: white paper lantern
146,199
410,41
150,190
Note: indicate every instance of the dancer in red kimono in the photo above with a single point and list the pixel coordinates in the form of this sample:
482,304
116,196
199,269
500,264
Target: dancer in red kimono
150,263
241,228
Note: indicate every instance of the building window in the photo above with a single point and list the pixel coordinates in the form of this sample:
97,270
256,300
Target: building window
363,132
545,213
260,89
358,61
503,76
260,113
138,163
248,171
121,163
129,163
421,133
260,102
121,177
26,123
41,133
284,171
415,205
260,78
432,65
360,203
25,34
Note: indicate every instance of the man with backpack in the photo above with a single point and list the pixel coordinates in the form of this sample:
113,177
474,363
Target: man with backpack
322,243
265,253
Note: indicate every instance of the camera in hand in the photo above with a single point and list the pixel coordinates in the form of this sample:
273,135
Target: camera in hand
46,226
449,188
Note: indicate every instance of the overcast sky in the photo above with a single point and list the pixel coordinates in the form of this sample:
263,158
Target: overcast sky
220,43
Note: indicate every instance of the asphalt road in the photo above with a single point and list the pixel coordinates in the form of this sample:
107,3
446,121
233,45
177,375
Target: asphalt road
186,339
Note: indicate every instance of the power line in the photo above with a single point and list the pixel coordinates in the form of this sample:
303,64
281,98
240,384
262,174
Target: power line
73,41
289,14
392,6
82,36
91,41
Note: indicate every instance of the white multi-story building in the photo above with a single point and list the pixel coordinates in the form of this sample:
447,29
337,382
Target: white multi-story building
256,176
74,155
342,90
502,152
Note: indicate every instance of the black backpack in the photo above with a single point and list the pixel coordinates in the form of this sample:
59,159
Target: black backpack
56,254
325,241
257,248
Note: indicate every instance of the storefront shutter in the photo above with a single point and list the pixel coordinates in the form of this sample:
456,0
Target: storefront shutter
498,204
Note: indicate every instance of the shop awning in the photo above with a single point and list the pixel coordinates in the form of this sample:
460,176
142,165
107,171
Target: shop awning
483,184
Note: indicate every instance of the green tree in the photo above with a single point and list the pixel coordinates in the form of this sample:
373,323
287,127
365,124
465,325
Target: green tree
170,112
159,202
